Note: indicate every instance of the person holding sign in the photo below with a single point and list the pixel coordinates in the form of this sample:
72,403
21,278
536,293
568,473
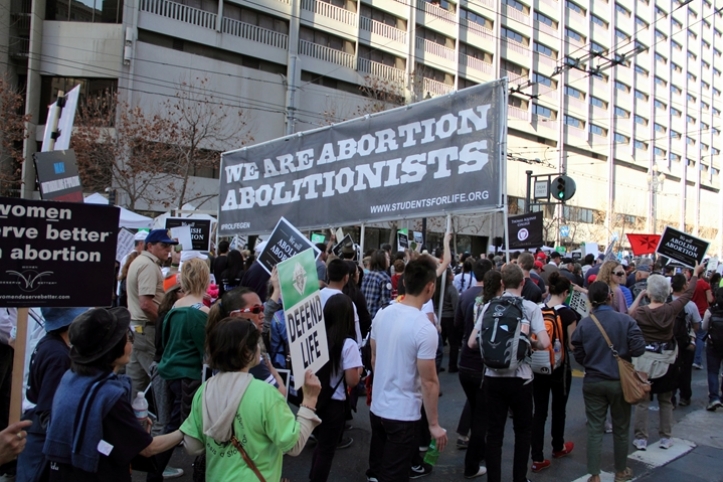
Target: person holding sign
341,371
245,426
404,347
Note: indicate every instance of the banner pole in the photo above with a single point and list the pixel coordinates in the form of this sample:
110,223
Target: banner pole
16,390
505,215
361,243
443,286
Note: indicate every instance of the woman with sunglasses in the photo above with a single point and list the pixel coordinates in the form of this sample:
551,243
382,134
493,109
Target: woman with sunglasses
612,274
244,304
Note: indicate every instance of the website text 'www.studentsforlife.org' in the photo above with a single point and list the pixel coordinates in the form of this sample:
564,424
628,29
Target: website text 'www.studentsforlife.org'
430,202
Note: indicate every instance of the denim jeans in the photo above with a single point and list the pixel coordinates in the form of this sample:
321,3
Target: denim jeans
700,337
392,448
713,359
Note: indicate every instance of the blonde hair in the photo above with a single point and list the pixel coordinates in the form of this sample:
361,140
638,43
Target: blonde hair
606,273
195,277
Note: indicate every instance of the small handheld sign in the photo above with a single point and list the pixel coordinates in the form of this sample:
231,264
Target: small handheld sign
200,232
285,241
304,315
682,247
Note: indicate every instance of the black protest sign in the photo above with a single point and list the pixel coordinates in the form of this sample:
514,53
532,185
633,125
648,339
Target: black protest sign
525,231
285,241
200,231
57,254
58,176
682,247
346,241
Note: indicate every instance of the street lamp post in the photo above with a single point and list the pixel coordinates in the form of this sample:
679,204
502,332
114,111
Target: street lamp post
655,182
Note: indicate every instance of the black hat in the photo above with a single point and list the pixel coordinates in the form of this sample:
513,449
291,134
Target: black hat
95,332
567,261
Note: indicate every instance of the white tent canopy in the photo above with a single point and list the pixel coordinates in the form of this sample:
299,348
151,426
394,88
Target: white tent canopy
160,221
128,219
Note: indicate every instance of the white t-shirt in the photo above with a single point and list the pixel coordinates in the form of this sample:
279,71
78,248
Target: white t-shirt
350,358
403,334
327,293
533,316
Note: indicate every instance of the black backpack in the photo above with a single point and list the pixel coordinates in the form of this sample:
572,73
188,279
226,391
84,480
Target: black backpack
681,330
503,344
715,328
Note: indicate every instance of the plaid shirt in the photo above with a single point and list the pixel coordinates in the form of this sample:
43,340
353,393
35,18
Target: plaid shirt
377,290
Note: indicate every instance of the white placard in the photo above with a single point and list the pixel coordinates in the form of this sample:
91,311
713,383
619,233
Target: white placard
126,243
579,303
183,235
542,189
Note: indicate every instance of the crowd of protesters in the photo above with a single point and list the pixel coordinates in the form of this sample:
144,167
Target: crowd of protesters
204,339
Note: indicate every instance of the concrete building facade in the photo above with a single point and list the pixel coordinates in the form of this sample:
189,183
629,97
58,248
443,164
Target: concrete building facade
625,97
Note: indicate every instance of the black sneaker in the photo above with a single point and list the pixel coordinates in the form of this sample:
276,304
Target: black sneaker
418,471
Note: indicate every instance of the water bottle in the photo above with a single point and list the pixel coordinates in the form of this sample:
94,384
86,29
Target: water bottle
432,454
557,347
140,408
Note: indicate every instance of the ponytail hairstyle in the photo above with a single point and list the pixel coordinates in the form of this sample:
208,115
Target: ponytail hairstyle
492,284
230,301
558,283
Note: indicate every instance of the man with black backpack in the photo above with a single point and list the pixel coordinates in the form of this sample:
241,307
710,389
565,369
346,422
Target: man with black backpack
504,326
713,324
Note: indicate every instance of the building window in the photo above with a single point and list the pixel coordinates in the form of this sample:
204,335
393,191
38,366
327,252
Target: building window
690,141
517,102
598,131
674,157
544,50
575,8
675,112
516,5
676,24
574,121
692,77
598,21
543,111
641,120
692,56
677,68
660,105
95,11
660,12
716,92
640,23
660,128
641,145
716,111
641,95
620,112
621,139
620,86
544,80
690,119
514,36
545,19
660,36
597,48
475,18
674,135
660,153
641,70
50,86
675,89
706,85
705,106
660,58
692,34
597,102
717,52
691,98
676,45
620,35
574,35
573,92
622,10
716,72
661,82
705,64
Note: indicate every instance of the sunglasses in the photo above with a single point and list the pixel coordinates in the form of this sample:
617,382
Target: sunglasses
620,273
255,309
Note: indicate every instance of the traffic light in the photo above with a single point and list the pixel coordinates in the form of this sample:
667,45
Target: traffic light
563,188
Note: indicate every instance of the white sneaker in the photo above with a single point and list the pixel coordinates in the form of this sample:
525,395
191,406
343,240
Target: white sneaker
665,443
482,470
172,473
640,443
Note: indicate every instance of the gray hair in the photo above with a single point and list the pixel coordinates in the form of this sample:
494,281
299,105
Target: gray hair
658,288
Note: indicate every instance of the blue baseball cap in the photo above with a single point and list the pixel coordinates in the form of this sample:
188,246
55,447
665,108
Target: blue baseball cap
160,236
56,318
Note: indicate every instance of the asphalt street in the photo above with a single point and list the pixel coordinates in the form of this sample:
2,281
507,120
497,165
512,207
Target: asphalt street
698,452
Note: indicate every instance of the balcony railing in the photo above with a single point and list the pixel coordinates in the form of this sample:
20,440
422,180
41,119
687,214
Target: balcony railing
478,29
547,29
382,71
254,33
516,47
547,62
576,103
383,30
487,3
435,88
576,132
182,13
325,53
551,3
436,49
517,113
476,64
515,14
440,13
514,78
331,11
